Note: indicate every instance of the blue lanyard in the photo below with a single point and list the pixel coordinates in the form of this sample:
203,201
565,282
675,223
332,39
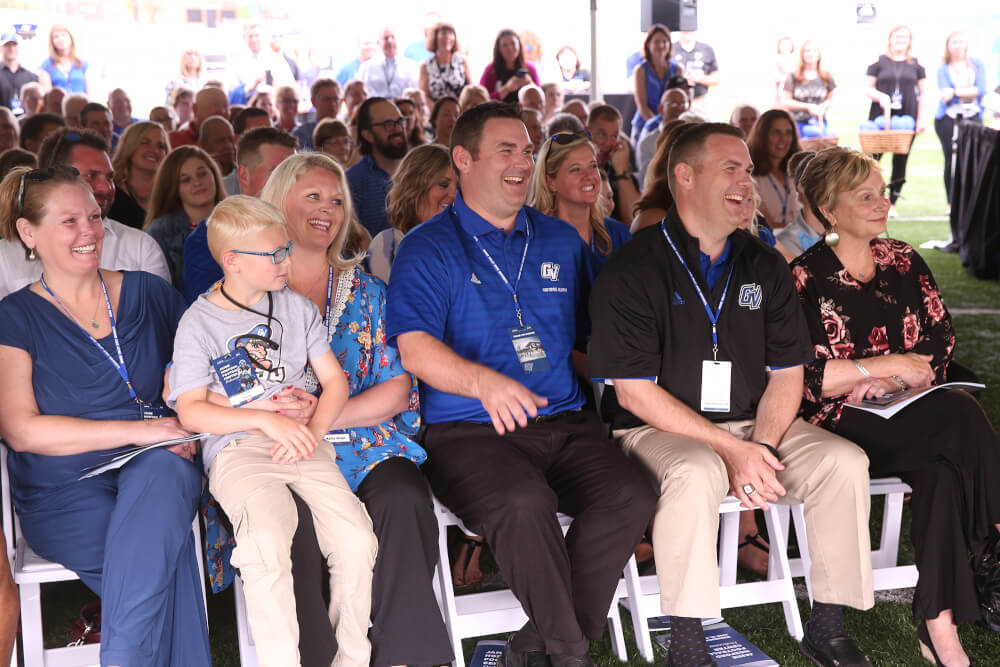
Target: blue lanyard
713,316
512,288
329,297
120,364
783,200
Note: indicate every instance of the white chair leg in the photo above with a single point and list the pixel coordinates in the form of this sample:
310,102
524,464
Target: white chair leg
248,650
31,624
615,631
778,569
729,540
892,520
799,517
640,626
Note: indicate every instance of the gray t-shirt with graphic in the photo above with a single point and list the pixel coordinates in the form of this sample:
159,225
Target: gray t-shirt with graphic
277,351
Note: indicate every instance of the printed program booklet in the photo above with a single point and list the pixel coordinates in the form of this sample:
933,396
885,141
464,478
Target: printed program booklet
728,647
487,653
124,457
889,404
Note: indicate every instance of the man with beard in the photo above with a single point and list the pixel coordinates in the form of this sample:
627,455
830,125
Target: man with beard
123,249
382,138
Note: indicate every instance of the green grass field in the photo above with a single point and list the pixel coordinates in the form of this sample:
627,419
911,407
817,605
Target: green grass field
886,633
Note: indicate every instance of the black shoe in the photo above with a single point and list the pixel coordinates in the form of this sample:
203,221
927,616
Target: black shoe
708,662
837,652
950,248
525,648
571,661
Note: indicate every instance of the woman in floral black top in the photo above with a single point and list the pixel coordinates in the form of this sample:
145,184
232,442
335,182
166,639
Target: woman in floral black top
879,325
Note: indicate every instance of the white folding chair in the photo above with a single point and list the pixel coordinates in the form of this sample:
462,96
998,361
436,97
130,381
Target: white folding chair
244,635
887,574
30,571
492,612
643,592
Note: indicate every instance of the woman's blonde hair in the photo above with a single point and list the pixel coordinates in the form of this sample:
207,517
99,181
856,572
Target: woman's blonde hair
236,218
947,52
197,54
36,195
830,173
414,176
165,197
58,27
347,249
128,144
550,159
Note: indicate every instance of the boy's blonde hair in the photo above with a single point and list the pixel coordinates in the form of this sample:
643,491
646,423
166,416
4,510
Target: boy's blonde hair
238,218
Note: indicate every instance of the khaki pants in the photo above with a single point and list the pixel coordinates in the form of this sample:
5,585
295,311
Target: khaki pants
826,472
254,492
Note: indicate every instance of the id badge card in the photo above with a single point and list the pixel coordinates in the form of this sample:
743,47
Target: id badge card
238,377
153,410
529,350
338,437
716,382
897,100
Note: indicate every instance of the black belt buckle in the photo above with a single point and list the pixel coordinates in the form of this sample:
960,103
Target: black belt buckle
542,419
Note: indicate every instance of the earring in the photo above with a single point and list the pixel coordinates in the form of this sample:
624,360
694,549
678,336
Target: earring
831,238
31,254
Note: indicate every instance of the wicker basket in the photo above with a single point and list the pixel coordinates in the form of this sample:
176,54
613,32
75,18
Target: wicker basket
818,143
886,141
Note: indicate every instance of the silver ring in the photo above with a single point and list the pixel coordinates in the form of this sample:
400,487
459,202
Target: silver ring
748,489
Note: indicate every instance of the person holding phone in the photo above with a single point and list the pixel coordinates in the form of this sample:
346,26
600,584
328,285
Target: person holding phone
508,72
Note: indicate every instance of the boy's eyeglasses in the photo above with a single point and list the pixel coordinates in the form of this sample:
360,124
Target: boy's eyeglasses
38,176
277,256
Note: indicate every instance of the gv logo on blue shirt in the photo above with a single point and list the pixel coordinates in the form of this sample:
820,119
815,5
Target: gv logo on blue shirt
550,271
750,296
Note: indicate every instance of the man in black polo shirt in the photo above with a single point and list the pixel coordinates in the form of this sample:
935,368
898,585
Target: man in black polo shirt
710,408
12,75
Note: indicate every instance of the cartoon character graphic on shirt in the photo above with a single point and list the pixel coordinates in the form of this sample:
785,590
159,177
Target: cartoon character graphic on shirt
259,347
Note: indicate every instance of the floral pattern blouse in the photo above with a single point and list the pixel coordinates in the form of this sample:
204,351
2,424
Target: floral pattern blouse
899,310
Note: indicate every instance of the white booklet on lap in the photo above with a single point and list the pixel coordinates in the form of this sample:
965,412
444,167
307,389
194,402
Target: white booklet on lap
889,404
121,459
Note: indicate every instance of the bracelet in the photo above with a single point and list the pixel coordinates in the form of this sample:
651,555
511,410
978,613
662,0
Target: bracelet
902,385
864,371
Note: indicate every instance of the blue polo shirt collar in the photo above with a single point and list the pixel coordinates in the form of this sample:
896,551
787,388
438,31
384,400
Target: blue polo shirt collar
476,225
373,167
714,271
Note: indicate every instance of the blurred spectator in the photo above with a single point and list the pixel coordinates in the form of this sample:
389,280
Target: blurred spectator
673,103
326,98
10,130
578,109
531,97
277,48
422,49
532,119
333,138
744,116
387,74
264,99
808,92
141,149
443,117
217,139
63,68
651,77
97,117
287,103
531,45
473,95
415,133
182,102
508,72
52,100
784,65
258,66
420,106
772,143
445,72
207,102
164,117
35,129
571,70
564,122
189,76
12,75
554,99
614,155
250,119
15,157
72,106
355,93
31,98
120,105
366,49
699,63
382,141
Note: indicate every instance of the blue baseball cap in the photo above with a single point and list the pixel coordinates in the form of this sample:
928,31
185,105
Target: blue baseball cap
10,37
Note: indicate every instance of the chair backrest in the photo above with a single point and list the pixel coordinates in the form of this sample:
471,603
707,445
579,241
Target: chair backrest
9,521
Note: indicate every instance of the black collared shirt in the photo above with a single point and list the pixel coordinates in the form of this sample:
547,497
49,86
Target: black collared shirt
11,82
648,321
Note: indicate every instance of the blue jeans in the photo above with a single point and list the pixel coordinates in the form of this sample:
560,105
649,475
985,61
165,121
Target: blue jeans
127,534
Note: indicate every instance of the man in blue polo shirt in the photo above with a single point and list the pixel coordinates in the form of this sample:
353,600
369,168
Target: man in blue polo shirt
485,306
382,141
699,326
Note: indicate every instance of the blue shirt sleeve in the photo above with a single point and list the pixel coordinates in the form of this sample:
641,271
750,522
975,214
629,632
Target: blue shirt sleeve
418,292
200,268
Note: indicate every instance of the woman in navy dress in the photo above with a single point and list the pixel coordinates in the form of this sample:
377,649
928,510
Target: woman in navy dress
651,76
82,358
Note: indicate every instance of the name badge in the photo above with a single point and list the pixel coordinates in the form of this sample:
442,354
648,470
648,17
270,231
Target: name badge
238,377
338,437
153,410
529,350
897,100
716,382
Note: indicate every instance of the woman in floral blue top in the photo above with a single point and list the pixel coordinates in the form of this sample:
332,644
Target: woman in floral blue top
879,326
372,437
